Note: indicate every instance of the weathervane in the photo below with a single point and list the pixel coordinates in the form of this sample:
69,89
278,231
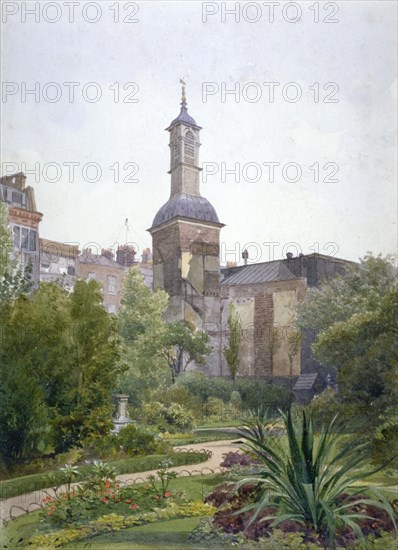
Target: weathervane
183,97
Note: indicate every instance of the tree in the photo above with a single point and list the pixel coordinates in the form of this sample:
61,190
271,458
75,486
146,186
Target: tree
294,339
272,343
94,367
231,351
141,327
182,345
356,319
59,366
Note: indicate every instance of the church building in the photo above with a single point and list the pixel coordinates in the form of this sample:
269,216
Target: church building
186,263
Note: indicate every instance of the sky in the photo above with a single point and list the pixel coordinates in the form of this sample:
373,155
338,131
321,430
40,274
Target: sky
309,90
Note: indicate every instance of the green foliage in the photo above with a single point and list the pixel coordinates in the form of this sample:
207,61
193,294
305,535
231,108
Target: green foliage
178,417
182,345
324,407
59,364
272,342
141,327
236,400
309,482
172,418
138,440
356,316
231,351
254,393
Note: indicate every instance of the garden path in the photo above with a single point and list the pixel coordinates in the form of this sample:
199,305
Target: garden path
16,506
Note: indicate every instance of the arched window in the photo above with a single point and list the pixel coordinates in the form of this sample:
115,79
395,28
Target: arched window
189,148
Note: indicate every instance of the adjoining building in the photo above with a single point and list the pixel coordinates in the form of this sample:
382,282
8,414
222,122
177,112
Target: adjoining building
186,263
58,262
106,271
24,220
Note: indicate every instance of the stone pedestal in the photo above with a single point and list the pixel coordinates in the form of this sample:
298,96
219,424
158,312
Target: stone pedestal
121,418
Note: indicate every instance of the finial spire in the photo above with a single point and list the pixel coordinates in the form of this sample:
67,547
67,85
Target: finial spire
183,97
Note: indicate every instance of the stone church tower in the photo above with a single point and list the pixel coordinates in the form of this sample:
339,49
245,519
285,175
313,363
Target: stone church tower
186,240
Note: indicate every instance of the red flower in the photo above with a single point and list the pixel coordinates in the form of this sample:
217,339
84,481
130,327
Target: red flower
134,506
104,500
128,501
167,494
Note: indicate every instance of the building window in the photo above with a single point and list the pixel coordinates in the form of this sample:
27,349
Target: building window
111,284
91,276
24,238
111,308
14,198
45,268
189,148
71,270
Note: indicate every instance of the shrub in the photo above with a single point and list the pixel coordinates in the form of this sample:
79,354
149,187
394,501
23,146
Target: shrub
236,400
214,407
324,407
173,394
178,418
259,393
154,413
138,440
73,456
196,384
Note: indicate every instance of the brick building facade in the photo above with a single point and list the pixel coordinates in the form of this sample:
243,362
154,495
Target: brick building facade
24,220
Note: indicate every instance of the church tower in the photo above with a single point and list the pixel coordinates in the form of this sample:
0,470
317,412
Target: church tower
186,240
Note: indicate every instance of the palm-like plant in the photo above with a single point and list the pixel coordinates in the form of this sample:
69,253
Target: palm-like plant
307,480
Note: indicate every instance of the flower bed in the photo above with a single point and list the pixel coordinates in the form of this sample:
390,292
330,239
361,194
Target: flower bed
229,520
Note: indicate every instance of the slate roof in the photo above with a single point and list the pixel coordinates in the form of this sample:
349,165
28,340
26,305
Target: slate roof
305,381
184,116
98,259
258,273
186,206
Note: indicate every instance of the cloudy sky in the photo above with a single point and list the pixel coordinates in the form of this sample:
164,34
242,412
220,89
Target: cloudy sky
330,123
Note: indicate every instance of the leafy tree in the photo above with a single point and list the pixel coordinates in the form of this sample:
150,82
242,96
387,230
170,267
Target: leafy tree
59,366
294,339
182,345
231,351
356,318
141,327
272,343
94,369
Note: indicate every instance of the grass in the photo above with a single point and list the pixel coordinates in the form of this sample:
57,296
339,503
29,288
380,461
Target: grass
164,535
208,437
27,484
221,424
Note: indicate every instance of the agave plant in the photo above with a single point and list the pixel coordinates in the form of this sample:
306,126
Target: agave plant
305,479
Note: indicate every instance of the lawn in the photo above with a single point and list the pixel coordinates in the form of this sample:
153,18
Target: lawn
164,535
26,484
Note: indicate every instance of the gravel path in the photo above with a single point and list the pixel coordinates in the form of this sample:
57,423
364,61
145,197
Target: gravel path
29,502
